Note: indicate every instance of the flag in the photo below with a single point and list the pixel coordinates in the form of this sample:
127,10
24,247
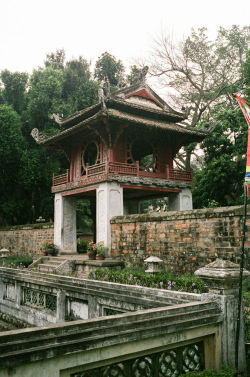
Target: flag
245,107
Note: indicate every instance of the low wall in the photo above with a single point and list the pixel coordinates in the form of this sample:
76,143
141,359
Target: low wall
184,240
171,331
26,239
40,298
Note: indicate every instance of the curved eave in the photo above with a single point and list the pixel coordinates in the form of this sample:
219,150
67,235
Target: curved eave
121,104
136,109
53,140
188,134
80,116
167,127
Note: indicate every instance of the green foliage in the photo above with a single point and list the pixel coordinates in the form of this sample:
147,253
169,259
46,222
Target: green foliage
15,261
108,66
45,97
134,72
163,280
14,92
224,372
55,59
11,149
50,248
203,73
220,182
82,246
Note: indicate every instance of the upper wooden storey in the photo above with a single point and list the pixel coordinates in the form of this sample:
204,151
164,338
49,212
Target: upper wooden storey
132,133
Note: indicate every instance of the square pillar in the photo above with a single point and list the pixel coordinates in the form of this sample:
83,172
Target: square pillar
109,203
222,279
181,201
65,224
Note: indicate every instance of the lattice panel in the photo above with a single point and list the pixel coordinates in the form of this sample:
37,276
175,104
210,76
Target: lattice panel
170,363
10,292
191,358
39,299
117,370
50,302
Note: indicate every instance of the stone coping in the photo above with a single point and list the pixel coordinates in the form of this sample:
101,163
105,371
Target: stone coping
182,215
99,263
96,287
28,226
22,346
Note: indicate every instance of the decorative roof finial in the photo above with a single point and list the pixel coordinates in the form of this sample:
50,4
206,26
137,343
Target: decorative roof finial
140,78
37,136
101,95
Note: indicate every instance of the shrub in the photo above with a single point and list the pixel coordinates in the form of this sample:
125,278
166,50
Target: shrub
224,372
164,280
82,246
14,261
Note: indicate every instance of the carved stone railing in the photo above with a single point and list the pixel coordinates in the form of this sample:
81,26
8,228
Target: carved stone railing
171,334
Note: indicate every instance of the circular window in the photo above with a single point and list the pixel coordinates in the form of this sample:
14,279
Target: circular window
143,152
90,154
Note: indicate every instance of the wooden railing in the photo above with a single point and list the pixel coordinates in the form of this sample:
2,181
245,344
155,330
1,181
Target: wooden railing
119,168
179,175
61,179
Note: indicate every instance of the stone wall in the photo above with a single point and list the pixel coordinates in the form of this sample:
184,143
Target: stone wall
26,239
185,240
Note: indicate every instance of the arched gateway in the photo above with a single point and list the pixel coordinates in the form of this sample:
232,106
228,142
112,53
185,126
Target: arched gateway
121,150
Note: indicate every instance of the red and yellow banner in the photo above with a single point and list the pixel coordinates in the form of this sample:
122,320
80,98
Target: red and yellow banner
245,107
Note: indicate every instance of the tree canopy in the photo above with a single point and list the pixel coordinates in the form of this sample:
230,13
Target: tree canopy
202,76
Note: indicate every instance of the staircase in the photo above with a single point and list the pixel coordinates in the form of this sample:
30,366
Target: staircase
50,264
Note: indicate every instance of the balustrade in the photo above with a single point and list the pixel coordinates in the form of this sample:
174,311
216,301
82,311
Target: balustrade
99,172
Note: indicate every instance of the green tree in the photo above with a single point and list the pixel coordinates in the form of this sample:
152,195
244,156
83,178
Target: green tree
108,67
220,182
15,89
79,91
45,97
10,163
55,59
134,72
202,73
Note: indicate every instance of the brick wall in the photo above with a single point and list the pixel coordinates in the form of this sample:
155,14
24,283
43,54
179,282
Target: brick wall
26,239
184,240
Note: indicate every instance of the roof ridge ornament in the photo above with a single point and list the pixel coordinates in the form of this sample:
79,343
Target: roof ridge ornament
101,95
140,78
37,136
58,119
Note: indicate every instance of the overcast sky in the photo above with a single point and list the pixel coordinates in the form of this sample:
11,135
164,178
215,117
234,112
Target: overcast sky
29,29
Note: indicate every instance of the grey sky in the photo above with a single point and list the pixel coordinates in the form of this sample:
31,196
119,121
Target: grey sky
31,28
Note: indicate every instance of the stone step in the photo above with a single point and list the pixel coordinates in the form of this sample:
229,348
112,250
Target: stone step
46,267
53,263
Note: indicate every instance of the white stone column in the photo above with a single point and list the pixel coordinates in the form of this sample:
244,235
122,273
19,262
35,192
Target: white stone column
65,223
109,203
181,201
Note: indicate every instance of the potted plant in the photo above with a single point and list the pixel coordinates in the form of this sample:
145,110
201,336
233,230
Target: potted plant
101,250
50,248
91,250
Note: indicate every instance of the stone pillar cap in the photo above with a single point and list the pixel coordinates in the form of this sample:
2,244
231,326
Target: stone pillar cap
153,260
221,276
221,269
